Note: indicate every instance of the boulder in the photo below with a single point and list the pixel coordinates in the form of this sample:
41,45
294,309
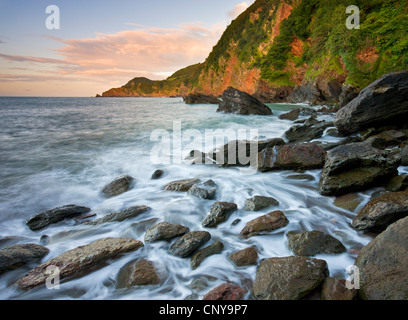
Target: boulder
117,186
314,242
355,167
380,212
55,215
260,202
120,216
386,139
384,101
77,262
181,185
140,272
219,213
267,223
226,291
335,289
199,98
204,253
236,101
296,113
204,190
242,152
188,243
383,265
17,255
308,131
292,157
288,278
164,231
245,257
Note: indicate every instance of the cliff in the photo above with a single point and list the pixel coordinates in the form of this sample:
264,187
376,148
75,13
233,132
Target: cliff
295,50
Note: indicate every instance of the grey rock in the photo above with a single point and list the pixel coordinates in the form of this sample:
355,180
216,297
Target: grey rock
188,243
204,190
219,213
181,185
118,186
204,253
14,256
120,216
199,98
164,231
260,202
313,243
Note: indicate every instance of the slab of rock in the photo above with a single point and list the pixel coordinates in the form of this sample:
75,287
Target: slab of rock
292,157
335,289
387,139
296,113
77,262
236,101
356,167
164,231
288,278
242,152
15,256
118,186
260,202
383,265
187,244
55,215
181,185
348,201
385,101
120,216
314,242
226,291
140,272
199,98
267,223
307,132
204,253
380,212
204,190
245,257
219,213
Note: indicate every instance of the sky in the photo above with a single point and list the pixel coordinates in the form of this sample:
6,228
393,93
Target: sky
104,44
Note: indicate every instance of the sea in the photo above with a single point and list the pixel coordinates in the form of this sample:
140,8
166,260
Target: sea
59,151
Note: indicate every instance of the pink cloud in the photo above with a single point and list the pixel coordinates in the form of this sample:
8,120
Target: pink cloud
239,8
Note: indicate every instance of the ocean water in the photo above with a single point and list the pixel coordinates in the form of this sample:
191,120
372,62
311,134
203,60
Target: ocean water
57,151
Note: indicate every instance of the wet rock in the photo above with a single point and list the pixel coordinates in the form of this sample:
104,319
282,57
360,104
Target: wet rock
301,177
164,231
204,190
383,265
188,243
307,132
199,98
245,257
348,201
404,156
236,101
397,183
267,223
120,216
242,152
140,272
296,113
292,157
15,256
118,186
385,101
55,215
335,289
382,211
157,174
386,139
313,243
288,278
332,145
77,262
181,185
226,291
204,253
356,167
260,202
9,240
219,213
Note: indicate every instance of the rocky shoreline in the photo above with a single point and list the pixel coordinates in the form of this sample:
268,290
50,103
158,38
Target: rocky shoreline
368,156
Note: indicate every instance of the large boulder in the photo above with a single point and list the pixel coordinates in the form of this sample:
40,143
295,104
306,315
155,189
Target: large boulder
76,262
236,101
313,243
188,243
288,278
383,264
199,98
120,216
267,223
356,167
18,255
55,215
385,101
380,212
118,186
292,157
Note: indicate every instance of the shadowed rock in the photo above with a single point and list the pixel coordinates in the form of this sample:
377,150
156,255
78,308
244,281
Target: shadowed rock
15,256
117,186
190,242
219,213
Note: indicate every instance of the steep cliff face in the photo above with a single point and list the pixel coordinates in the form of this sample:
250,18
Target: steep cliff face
298,49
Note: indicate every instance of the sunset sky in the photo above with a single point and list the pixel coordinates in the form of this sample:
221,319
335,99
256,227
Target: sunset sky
103,44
